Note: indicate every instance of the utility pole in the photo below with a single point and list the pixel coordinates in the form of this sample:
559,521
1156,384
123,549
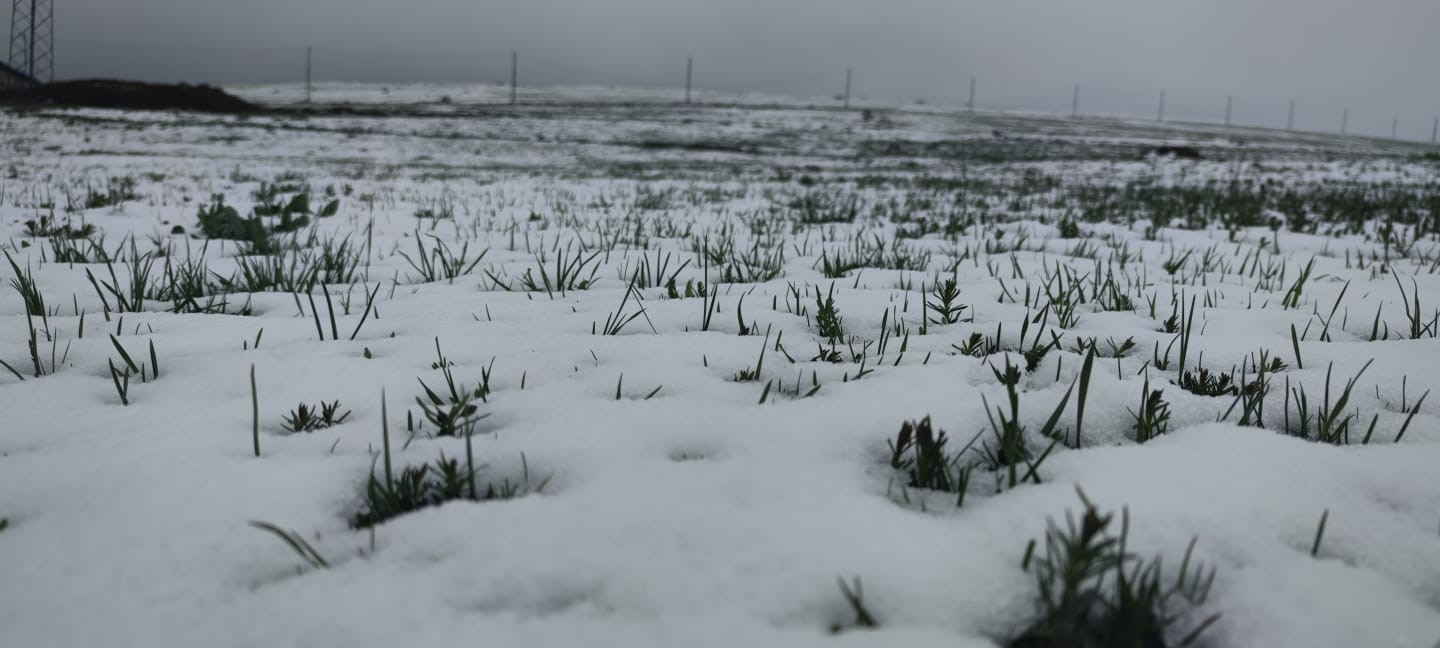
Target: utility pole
1075,103
847,88
1435,130
689,68
1344,120
514,74
1161,115
1290,120
1229,101
309,89
970,105
1394,127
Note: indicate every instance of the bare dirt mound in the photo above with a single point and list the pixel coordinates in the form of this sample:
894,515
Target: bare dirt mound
103,93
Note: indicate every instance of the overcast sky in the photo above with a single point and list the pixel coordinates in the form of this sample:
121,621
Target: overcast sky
1380,58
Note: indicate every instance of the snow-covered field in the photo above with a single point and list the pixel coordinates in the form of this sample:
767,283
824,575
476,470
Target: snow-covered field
655,361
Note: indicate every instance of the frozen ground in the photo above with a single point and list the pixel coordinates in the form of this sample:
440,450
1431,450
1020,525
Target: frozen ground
705,474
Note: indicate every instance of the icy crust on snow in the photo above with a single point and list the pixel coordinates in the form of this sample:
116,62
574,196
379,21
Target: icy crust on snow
696,517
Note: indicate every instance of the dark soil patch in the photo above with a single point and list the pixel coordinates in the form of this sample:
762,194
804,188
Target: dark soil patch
1182,152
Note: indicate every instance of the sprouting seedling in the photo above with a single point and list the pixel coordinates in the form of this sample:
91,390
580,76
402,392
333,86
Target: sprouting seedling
1174,264
146,373
1319,534
1093,591
1187,328
121,379
619,393
753,375
570,273
308,418
129,296
1418,327
24,283
1331,423
441,262
1250,393
709,303
12,370
298,544
432,484
827,316
1331,426
451,416
740,319
1153,417
1036,351
315,312
1085,370
385,440
1410,416
854,594
1295,343
254,412
1204,382
1334,307
1008,450
944,302
615,322
919,451
1292,296
649,274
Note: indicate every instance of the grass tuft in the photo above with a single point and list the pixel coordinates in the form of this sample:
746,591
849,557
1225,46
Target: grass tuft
919,452
308,418
432,484
1093,592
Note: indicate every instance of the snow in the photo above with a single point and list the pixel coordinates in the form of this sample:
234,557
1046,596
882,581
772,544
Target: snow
700,516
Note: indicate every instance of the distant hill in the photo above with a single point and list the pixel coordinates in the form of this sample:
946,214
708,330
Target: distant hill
107,93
